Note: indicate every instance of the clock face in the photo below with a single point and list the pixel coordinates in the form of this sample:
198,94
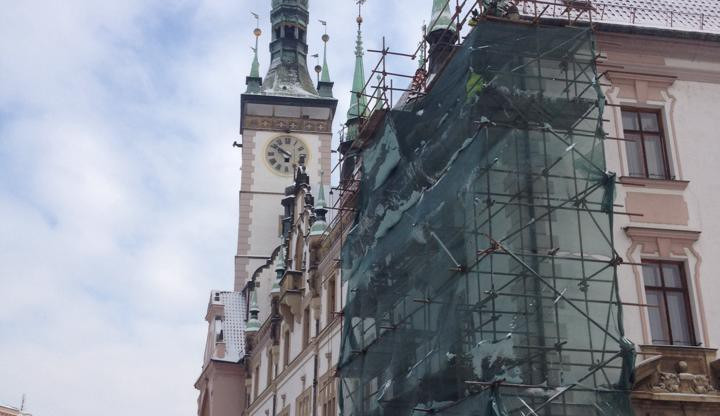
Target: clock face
283,154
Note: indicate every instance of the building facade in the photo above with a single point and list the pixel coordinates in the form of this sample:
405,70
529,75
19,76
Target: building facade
274,341
260,333
662,124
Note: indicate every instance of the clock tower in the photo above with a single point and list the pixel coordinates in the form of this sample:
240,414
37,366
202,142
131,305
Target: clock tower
285,123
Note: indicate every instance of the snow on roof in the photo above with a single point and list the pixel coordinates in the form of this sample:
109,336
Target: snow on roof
682,15
11,410
233,325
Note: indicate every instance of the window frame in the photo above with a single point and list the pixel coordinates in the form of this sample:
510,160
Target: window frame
663,290
306,328
331,300
667,168
286,348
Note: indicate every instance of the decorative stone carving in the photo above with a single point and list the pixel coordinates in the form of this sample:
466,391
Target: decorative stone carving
672,373
668,382
285,123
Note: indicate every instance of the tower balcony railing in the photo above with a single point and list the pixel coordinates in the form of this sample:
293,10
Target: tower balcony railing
706,20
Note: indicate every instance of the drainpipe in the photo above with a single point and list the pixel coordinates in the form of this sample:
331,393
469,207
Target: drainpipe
315,369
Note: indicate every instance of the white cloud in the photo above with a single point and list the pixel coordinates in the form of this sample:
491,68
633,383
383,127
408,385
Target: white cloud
118,187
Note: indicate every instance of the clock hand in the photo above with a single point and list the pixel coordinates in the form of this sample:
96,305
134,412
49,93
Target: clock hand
281,150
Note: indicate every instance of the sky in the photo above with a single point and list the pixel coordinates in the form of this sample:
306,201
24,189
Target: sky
119,186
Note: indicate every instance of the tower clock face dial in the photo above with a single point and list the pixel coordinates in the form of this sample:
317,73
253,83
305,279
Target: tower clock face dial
283,154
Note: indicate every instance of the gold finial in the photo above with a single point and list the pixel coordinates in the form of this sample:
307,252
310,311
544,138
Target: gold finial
257,32
359,19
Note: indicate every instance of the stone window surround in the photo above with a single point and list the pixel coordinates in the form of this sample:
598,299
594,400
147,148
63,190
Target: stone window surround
671,245
651,92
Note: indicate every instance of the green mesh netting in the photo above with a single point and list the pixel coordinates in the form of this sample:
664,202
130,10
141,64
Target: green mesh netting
481,267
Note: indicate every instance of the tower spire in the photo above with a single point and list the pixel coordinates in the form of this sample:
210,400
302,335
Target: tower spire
253,324
288,73
325,77
423,52
279,269
358,102
254,81
320,225
325,85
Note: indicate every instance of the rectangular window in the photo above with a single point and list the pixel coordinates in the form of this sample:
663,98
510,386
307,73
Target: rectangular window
668,300
306,327
286,349
646,148
303,404
330,301
256,384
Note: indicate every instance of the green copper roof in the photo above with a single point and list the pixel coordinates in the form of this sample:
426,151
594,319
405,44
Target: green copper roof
253,324
441,16
358,102
320,200
288,71
255,68
320,225
318,228
325,76
279,269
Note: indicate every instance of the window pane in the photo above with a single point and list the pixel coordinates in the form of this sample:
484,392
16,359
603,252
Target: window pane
658,324
678,318
630,121
651,273
671,275
654,156
635,155
650,122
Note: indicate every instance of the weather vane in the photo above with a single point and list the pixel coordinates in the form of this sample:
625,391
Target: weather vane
360,4
318,68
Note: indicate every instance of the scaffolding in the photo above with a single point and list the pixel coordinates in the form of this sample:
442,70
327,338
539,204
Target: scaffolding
480,264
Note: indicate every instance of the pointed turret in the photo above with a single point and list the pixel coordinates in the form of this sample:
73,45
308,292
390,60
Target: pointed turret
320,225
422,60
255,69
358,102
325,85
253,323
279,270
254,81
442,33
325,76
